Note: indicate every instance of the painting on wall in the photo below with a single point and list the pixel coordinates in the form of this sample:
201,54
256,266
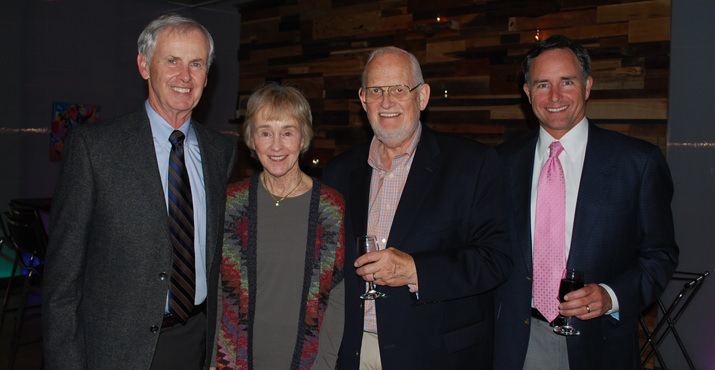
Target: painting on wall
65,117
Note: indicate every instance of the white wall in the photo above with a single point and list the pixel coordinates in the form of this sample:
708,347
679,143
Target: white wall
691,155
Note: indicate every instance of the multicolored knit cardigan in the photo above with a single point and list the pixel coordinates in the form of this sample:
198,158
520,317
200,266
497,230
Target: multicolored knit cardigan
325,255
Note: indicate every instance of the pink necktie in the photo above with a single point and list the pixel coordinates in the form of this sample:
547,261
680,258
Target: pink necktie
549,235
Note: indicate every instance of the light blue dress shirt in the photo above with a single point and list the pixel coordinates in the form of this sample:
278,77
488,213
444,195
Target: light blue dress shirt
161,130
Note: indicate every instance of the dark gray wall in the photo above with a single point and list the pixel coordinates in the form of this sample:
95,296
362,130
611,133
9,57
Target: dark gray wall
12,29
691,155
79,51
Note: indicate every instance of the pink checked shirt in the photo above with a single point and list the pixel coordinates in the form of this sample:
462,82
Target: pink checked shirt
385,191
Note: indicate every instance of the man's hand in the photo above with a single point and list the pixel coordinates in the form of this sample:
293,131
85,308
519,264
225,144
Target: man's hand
390,267
587,303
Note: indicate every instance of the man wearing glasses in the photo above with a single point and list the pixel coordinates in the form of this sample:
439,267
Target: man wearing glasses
434,202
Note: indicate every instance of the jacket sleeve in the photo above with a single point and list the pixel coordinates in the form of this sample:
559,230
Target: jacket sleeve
657,252
65,260
478,260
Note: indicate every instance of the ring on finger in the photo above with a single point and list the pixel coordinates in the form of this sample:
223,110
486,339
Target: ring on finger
588,309
373,277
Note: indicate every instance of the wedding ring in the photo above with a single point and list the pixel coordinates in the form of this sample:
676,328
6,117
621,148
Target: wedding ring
587,308
373,277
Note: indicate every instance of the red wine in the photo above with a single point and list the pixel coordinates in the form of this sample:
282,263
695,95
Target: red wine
568,286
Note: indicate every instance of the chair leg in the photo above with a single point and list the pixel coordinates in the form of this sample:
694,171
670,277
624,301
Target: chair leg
8,290
20,320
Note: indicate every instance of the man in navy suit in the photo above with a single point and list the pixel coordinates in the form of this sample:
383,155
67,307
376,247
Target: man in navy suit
435,203
617,225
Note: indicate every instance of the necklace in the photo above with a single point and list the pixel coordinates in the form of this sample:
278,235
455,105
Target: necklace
278,201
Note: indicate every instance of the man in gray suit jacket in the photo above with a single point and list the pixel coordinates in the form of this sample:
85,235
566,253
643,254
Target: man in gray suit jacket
109,263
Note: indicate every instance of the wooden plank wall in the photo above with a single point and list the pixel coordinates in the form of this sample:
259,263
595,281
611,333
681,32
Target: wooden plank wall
470,51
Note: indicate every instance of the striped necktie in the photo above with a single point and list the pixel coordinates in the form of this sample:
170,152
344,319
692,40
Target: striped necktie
182,285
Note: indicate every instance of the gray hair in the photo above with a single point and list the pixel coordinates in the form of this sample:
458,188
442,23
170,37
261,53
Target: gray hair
147,39
416,70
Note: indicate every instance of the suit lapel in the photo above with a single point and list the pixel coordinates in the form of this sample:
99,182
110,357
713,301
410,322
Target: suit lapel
360,194
425,167
213,185
521,172
598,167
137,146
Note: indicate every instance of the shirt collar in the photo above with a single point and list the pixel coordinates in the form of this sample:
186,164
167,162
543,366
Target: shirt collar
574,141
374,156
161,129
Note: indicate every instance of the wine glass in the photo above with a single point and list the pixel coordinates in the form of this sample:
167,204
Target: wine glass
365,244
571,280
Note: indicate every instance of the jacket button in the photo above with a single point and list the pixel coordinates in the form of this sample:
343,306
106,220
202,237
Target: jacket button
154,329
528,278
526,321
357,354
162,276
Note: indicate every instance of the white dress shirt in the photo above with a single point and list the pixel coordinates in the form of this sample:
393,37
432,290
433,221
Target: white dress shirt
571,158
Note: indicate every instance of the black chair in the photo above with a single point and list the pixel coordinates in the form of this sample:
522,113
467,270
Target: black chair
7,251
27,236
671,315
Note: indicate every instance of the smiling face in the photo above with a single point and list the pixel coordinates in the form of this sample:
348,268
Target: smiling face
394,122
176,73
277,143
557,92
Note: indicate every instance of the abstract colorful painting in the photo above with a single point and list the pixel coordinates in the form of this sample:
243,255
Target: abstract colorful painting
65,117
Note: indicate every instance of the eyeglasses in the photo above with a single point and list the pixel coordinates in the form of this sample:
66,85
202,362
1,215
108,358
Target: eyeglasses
397,92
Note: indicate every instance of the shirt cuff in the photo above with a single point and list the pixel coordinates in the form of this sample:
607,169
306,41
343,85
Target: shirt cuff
614,302
414,288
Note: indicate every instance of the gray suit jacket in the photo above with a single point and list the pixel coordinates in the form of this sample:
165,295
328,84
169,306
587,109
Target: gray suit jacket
107,267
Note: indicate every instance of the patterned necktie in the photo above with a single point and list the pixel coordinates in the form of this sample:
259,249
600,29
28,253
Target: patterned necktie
549,235
182,285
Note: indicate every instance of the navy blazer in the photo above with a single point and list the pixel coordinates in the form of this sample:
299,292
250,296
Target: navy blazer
451,220
622,236
109,257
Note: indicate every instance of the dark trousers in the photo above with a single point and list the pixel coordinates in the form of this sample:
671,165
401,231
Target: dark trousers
182,346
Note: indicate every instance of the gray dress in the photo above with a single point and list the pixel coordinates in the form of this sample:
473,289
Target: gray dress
280,268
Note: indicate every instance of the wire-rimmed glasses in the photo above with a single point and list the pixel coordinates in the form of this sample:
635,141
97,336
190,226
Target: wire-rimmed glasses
400,92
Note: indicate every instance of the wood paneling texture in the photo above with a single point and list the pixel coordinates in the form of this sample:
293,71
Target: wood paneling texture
471,58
